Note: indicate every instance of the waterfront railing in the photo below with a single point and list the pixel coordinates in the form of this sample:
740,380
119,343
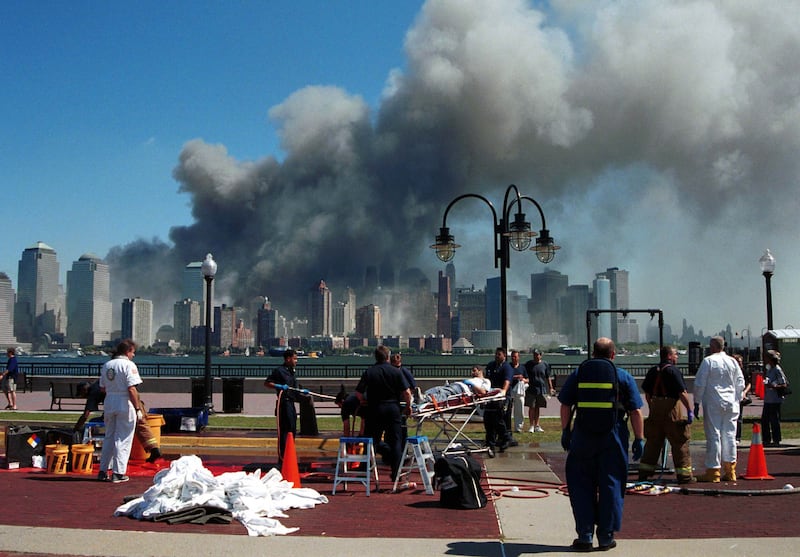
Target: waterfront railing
305,370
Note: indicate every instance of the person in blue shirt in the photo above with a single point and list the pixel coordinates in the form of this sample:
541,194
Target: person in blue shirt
602,397
9,379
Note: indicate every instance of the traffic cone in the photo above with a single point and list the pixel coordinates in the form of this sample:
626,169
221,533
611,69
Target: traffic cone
758,381
757,463
289,470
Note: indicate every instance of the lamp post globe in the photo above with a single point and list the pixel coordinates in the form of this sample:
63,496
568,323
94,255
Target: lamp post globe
767,263
209,270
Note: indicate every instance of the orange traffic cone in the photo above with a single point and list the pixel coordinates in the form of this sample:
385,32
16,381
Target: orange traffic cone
289,470
758,381
757,463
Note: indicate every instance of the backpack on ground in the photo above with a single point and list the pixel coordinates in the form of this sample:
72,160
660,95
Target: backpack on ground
458,479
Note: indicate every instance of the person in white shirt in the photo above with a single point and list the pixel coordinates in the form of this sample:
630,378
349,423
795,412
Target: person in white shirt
118,379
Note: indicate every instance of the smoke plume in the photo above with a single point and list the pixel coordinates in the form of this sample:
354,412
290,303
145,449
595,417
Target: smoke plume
659,137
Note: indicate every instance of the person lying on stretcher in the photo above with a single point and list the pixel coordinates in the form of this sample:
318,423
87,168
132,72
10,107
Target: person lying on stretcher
455,393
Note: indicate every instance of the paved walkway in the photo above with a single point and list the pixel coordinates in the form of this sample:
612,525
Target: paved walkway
528,527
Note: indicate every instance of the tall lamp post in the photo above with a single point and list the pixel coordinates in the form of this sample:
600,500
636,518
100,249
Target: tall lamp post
507,234
767,262
209,269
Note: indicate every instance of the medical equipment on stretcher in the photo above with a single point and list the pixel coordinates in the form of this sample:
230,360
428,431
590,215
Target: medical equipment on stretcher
450,417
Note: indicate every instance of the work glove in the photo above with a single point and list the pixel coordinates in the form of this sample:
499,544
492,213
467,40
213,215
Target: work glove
305,392
566,437
690,419
281,387
139,415
637,449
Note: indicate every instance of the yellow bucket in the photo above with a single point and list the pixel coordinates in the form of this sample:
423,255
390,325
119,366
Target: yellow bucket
82,456
154,421
56,458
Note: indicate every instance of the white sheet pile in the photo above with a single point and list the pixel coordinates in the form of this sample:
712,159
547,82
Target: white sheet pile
253,499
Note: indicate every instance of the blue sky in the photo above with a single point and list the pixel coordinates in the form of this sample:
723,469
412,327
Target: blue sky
649,130
99,98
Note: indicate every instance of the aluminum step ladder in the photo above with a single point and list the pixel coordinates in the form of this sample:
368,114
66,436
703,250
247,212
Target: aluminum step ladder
417,455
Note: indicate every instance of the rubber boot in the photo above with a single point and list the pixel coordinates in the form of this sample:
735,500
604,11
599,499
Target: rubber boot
712,475
728,471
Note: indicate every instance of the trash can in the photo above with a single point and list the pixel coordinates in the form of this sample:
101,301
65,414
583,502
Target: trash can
232,394
695,356
199,391
154,422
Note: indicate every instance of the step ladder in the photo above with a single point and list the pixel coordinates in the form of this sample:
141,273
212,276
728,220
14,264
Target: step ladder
355,462
417,455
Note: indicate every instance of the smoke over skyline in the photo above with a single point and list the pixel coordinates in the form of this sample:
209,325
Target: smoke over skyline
660,138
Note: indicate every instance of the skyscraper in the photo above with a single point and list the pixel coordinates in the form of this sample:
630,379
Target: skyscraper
38,309
602,299
137,320
7,296
471,311
619,297
89,301
368,321
493,318
319,309
186,315
546,289
193,285
267,327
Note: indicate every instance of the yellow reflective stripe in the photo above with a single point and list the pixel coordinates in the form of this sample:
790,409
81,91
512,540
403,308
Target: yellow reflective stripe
595,385
595,405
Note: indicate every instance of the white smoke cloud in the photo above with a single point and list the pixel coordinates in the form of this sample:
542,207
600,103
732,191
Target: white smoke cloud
660,137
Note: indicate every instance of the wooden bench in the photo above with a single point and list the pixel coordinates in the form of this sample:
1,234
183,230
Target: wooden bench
69,391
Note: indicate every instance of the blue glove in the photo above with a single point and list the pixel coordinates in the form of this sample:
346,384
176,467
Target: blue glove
637,449
305,391
690,419
281,387
566,437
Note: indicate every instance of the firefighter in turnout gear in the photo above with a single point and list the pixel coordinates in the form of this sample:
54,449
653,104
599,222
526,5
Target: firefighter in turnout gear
665,392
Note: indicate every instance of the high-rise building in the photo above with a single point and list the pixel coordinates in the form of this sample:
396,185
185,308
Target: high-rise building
602,298
38,309
319,309
572,308
225,322
471,311
619,297
546,289
444,313
193,285
89,301
368,321
349,317
493,305
186,315
7,296
267,327
137,320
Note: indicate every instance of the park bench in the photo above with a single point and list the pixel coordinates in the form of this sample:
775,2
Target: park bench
65,393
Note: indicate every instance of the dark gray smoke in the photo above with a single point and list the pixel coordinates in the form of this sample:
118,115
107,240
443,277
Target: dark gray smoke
660,137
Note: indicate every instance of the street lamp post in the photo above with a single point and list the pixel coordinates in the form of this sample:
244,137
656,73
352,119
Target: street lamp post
209,269
507,234
767,262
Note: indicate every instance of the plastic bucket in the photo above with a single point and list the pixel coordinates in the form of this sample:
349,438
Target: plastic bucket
56,458
154,422
82,456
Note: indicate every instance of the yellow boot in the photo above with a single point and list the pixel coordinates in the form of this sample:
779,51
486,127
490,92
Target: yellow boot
728,471
712,475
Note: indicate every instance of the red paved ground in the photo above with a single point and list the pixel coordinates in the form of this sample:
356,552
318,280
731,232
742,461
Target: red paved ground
75,501
707,511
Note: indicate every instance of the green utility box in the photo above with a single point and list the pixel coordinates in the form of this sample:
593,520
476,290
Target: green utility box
787,342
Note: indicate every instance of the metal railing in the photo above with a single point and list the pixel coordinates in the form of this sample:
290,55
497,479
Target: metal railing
308,370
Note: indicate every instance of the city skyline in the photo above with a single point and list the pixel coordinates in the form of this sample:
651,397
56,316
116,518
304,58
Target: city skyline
299,140
553,308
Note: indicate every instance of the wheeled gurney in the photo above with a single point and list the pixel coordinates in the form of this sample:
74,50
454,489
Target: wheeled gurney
450,417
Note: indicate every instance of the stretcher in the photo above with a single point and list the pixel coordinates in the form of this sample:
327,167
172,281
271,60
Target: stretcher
450,417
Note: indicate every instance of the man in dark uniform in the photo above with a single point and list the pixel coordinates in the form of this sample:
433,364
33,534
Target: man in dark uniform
95,396
597,464
384,388
500,374
665,392
283,380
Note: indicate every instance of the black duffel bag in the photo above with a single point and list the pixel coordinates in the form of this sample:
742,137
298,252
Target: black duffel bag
458,479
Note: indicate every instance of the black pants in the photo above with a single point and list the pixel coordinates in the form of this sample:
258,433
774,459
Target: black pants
287,423
385,421
771,422
495,424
